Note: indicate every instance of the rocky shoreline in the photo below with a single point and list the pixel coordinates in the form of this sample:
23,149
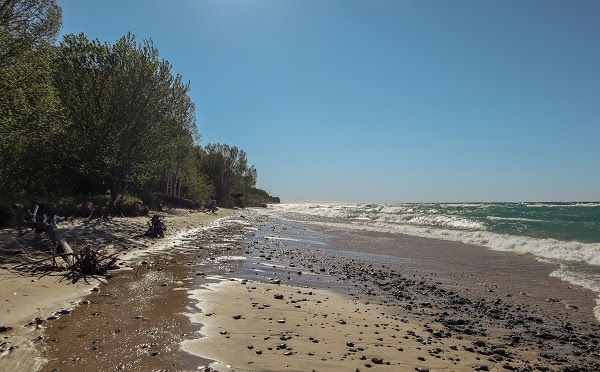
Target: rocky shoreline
508,328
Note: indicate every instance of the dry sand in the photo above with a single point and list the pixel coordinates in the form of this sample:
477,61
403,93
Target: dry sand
25,298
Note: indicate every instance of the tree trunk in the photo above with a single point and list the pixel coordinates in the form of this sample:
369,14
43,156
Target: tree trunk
43,224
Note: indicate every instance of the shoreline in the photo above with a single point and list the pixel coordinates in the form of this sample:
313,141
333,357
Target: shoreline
495,299
445,314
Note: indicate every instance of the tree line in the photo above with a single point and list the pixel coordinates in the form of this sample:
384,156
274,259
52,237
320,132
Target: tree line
83,116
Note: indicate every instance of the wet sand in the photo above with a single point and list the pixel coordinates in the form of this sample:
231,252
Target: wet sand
134,322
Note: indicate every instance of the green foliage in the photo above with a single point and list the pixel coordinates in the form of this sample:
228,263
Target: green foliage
254,197
227,169
87,117
31,117
25,24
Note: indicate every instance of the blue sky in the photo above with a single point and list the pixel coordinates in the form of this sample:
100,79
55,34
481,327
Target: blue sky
374,100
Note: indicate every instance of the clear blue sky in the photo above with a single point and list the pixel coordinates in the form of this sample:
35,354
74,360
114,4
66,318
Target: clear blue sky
386,100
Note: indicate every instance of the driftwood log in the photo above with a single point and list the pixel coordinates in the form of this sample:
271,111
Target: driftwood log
48,225
156,227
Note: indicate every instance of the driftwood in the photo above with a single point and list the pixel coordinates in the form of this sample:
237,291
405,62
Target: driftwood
43,224
211,206
156,227
85,261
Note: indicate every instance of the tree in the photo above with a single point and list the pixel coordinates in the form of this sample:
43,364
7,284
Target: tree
25,24
227,169
31,116
133,122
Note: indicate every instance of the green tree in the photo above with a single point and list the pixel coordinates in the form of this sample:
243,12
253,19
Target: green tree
25,24
226,167
132,121
31,116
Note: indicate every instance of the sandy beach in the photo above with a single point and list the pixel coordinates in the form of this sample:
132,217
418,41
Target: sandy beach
256,293
27,298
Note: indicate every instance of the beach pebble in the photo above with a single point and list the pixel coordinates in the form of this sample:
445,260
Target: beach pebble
500,351
278,297
236,317
377,360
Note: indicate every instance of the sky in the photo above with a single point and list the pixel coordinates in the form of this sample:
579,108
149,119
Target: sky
385,101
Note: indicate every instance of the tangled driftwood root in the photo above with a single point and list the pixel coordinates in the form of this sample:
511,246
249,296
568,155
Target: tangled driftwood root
156,227
84,261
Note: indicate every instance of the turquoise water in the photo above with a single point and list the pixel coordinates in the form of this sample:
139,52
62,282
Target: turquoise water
562,221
